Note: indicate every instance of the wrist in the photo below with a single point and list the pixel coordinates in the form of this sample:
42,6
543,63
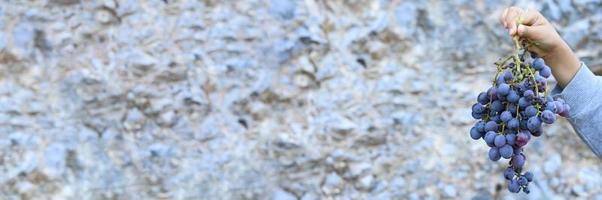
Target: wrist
563,62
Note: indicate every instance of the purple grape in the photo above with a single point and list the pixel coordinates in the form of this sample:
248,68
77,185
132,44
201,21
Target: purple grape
522,138
537,132
499,141
565,110
559,107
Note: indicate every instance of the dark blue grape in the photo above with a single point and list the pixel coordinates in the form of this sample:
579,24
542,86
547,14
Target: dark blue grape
538,63
518,161
499,140
530,111
545,72
497,106
522,181
513,123
475,134
523,102
517,150
548,117
508,75
513,186
489,138
529,176
534,123
512,108
478,108
537,132
551,106
483,98
503,89
480,126
506,151
477,115
509,173
528,94
506,116
491,126
500,80
494,154
512,96
491,92
511,139
559,107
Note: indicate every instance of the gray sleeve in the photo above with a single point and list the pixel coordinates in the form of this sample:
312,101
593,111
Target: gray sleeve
584,95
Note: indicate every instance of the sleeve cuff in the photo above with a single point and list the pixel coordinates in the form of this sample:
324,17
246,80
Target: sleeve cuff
578,92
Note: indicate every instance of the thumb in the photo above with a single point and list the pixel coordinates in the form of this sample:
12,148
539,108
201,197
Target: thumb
531,32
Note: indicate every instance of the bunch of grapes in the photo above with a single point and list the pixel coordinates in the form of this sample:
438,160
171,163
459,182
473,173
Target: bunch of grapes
512,112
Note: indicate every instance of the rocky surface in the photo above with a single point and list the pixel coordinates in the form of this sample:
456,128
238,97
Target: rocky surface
268,99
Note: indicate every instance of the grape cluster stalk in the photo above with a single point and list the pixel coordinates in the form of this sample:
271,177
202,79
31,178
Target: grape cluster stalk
512,111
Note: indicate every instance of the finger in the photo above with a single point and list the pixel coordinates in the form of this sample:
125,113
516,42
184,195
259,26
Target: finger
503,18
530,17
511,17
530,32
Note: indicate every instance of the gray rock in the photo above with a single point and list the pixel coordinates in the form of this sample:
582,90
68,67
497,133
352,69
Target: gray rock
22,39
283,8
282,195
333,184
552,164
449,191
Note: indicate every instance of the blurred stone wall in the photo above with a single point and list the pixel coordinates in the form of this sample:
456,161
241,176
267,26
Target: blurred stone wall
341,99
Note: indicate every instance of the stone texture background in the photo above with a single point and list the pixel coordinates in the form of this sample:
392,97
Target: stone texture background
308,99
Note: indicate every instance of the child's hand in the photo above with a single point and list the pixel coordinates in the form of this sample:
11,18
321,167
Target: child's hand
543,40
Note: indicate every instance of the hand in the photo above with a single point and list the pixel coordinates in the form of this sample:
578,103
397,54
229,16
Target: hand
542,39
